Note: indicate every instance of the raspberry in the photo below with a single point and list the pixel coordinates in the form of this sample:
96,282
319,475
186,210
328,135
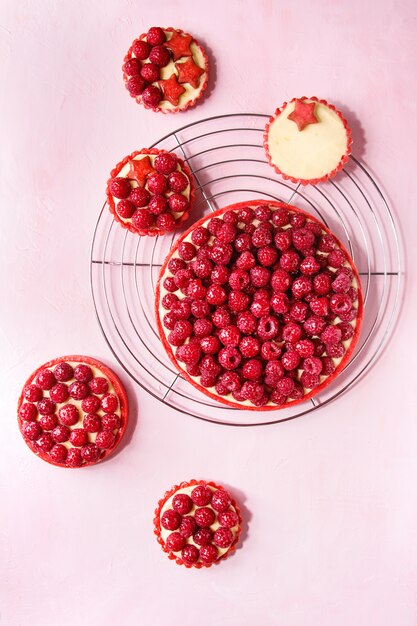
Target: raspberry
120,188
336,258
31,430
314,325
58,453
186,251
170,520
251,391
301,287
78,390
150,73
155,36
220,275
312,365
274,371
204,252
169,320
83,373
45,442
299,311
200,236
322,284
246,322
165,222
229,358
320,306
309,381
201,495
46,406
346,330
238,301
48,422
98,385
331,334
221,253
204,517
305,348
178,203
182,504
267,256
109,403
139,197
245,261
182,278
230,336
309,266
105,439
216,295
141,49
157,183
221,317
208,553
280,280
188,526
90,453
249,347
182,329
249,229
223,537
290,261
268,327
151,95
32,393
175,265
196,289
90,404
292,332
200,309
285,386
189,353
283,240
227,233
290,359
74,457
277,397
239,280
175,542
348,316
125,209
270,351
327,243
45,379
263,213
297,220
260,276
230,217
260,308
203,536
221,500
243,243
160,56
328,366
142,218
352,293
302,238
28,412
335,350
228,519
78,437
279,302
169,300
209,366
190,554
341,283
91,423
319,347
178,182
136,85
202,268
280,217
63,372
261,237
110,421
246,215
252,370
340,303
68,414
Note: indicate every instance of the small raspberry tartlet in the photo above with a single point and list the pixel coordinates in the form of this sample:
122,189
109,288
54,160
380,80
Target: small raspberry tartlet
166,70
259,305
197,523
307,140
73,411
150,192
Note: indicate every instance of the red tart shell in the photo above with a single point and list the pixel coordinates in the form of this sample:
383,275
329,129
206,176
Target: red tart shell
119,390
202,86
157,524
310,181
346,357
151,232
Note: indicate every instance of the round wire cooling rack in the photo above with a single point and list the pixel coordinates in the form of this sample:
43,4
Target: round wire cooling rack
226,156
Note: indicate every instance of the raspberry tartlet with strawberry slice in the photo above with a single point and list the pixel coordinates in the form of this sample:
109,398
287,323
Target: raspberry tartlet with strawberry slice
166,70
197,523
150,192
259,305
73,411
307,140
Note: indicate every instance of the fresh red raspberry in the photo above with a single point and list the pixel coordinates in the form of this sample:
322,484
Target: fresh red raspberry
221,389
160,55
141,49
202,327
175,542
230,336
314,325
252,369
120,188
110,421
220,275
196,289
78,390
260,276
292,332
328,366
74,457
290,261
312,365
239,280
204,517
166,222
155,36
151,95
227,233
305,348
109,403
166,163
169,300
150,73
290,359
335,350
182,503
228,519
83,373
320,306
45,379
190,554
188,526
208,553
352,293
182,277
238,301
175,265
331,334
90,404
189,353
90,453
48,422
280,302
139,197
68,414
200,236
301,287
178,182
178,203
216,295
221,253
136,85
98,385
346,330
223,537
245,261
200,309
209,366
214,225
315,228
283,240
157,184
208,379
274,371
142,218
105,439
268,327
58,453
169,320
297,220
341,283
201,495
31,430
203,536
319,347
280,217
262,236
298,311
261,295
322,284
170,520
221,500
302,238
270,351
125,209
340,303
91,423
327,243
260,308
246,322
267,256
182,329
78,437
263,213
229,358
309,381
231,217
63,372
32,393
286,386
44,442
277,397
246,215
186,251
221,317
251,390
348,316
336,258
243,243
309,266
280,280
28,412
46,406
249,347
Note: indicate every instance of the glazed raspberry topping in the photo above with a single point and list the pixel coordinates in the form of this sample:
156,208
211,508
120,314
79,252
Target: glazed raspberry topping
261,295
74,421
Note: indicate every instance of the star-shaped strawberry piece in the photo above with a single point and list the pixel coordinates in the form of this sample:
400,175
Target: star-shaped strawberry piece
171,89
179,44
140,170
189,72
303,114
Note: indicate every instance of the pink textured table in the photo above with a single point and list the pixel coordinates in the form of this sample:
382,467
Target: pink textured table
329,500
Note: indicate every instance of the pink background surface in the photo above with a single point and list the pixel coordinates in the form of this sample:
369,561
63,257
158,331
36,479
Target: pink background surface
329,500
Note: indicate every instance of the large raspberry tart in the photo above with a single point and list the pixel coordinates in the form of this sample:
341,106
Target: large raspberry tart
307,140
259,305
73,411
166,70
150,192
197,523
